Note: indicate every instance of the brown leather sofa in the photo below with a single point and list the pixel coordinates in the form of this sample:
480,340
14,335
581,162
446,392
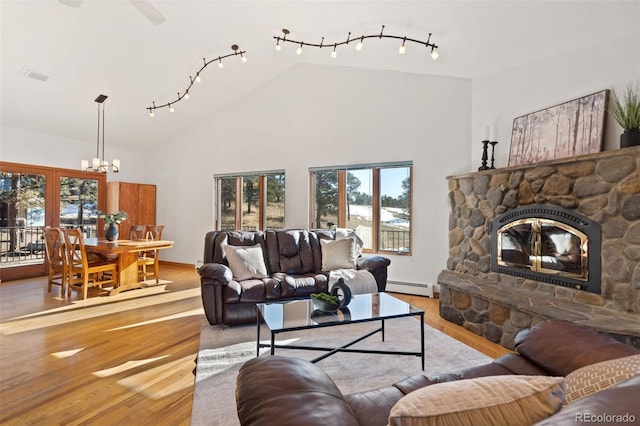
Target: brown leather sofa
293,259
276,390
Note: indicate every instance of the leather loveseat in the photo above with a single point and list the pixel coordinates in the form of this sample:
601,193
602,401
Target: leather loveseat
294,269
276,390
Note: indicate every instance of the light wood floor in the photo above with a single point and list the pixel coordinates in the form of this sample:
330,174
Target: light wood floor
125,359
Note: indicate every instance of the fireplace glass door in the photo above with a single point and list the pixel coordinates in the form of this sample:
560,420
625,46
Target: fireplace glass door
544,245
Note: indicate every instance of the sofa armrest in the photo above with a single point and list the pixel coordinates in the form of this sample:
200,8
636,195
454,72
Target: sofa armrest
377,265
215,273
213,277
372,263
278,390
544,344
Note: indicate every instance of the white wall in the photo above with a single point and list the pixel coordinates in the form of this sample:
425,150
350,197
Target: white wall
321,116
500,97
29,147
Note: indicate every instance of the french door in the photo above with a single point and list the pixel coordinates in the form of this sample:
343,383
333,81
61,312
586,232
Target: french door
32,197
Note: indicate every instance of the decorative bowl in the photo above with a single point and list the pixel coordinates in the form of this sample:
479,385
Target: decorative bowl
325,306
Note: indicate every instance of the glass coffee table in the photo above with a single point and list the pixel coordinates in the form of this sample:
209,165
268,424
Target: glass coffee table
282,317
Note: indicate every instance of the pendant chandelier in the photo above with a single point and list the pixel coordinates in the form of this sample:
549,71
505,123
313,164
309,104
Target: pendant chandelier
98,163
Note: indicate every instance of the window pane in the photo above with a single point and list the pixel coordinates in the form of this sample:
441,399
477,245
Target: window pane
326,199
251,203
227,203
360,204
275,201
22,202
78,204
395,205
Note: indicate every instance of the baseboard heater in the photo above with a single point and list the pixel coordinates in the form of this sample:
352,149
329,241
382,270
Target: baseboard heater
425,289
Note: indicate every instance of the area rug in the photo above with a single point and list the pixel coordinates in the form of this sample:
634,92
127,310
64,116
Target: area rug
224,349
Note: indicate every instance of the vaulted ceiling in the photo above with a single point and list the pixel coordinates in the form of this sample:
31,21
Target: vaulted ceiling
87,48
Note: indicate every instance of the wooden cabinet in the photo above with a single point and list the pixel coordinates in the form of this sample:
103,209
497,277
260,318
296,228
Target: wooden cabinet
137,199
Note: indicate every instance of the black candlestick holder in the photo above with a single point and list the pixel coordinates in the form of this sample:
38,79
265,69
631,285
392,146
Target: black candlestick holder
493,150
485,156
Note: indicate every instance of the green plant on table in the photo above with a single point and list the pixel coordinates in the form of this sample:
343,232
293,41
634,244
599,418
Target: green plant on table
325,297
110,218
626,109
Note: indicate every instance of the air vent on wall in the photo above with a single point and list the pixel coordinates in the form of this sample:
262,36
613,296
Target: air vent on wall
36,75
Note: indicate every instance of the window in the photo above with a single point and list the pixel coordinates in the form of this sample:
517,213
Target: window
373,200
79,204
250,201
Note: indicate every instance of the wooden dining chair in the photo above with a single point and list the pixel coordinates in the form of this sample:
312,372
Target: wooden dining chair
83,274
137,232
150,258
56,258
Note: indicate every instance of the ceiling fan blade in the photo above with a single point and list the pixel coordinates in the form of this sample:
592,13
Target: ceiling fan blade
150,12
72,3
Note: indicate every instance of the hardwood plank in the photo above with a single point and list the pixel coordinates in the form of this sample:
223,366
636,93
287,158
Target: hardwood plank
123,359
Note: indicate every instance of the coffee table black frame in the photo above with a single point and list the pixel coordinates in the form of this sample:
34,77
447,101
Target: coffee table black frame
281,317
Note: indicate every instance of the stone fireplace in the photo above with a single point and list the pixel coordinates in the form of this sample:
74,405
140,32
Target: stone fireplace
559,239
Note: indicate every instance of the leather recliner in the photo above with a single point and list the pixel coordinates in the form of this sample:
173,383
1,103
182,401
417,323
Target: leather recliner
293,259
278,390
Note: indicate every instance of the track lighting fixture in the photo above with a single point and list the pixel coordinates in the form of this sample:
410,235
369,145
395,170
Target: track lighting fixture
280,40
198,79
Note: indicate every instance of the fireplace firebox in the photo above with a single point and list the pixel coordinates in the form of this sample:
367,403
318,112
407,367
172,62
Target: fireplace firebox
549,244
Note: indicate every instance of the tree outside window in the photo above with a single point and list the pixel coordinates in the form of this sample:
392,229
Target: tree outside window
374,201
260,197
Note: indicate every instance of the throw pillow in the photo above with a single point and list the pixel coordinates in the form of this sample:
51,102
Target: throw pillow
338,254
602,375
342,233
246,262
493,400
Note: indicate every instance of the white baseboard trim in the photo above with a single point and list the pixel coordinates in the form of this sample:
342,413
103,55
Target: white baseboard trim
410,288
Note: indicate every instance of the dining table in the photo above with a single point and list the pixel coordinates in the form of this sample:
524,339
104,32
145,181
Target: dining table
127,253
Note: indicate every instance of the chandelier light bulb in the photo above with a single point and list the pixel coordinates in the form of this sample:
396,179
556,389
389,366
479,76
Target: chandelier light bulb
434,54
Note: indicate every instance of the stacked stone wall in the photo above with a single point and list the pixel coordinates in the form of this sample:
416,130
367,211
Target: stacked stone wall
604,187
